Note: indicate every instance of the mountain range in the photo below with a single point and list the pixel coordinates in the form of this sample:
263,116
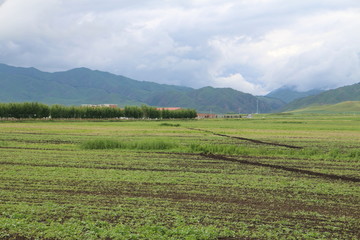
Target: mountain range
84,86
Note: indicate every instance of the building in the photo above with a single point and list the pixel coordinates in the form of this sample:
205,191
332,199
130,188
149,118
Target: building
100,105
169,108
211,115
230,116
206,115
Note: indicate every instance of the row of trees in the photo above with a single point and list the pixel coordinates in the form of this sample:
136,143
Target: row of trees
39,110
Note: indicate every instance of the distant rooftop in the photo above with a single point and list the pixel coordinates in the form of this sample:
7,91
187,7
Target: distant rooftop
169,108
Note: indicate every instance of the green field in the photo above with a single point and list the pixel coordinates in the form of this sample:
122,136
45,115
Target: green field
270,177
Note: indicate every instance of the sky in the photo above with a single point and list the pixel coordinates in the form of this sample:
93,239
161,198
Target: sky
254,46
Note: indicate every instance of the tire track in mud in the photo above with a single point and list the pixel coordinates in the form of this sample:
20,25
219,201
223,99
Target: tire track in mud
248,139
281,167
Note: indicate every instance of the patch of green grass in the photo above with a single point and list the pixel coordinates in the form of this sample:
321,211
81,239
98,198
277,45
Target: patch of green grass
151,144
3,144
309,153
220,149
85,229
102,144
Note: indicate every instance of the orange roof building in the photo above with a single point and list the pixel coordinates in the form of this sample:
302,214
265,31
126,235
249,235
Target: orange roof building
169,108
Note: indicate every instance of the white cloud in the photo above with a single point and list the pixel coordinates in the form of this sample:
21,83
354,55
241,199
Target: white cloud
315,51
252,46
237,81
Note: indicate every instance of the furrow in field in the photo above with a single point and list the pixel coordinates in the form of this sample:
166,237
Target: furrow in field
248,200
285,168
248,139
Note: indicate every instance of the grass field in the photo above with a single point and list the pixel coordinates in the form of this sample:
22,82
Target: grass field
270,177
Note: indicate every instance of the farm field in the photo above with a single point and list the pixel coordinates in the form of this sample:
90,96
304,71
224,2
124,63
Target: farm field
270,177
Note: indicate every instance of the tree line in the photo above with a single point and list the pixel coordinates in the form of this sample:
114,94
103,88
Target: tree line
39,110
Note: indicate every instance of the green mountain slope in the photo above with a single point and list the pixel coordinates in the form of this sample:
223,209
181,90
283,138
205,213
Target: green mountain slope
342,94
343,107
85,86
74,87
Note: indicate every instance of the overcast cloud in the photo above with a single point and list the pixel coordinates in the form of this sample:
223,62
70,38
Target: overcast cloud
254,46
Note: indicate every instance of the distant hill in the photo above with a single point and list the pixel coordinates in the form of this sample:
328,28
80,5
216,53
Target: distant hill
75,87
343,107
289,94
342,94
217,100
85,86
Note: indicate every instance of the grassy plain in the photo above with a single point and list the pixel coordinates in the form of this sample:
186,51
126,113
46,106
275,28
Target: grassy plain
270,177
348,107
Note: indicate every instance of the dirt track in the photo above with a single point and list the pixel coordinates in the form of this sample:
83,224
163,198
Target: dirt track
290,169
248,139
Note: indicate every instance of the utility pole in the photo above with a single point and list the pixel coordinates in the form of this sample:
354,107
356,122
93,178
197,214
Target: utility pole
257,106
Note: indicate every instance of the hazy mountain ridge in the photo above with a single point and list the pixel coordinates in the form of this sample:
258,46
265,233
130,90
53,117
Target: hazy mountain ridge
289,94
84,86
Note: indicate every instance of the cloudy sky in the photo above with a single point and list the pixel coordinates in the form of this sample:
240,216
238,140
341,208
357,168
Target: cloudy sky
254,46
